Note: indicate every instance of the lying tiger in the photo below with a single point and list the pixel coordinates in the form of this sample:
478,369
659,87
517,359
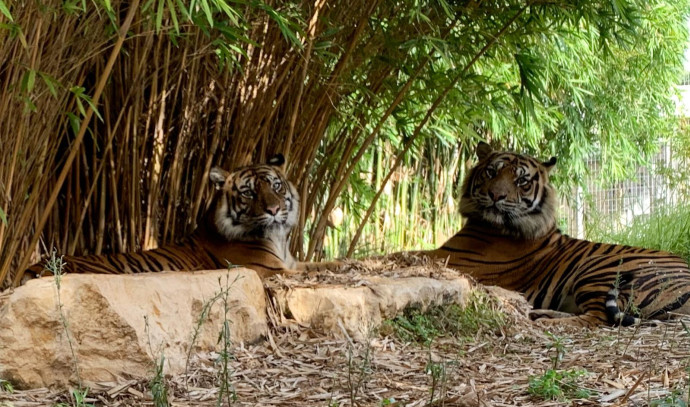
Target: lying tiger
511,240
248,222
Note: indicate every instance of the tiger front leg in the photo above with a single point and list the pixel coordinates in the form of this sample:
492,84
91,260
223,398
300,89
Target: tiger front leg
556,318
318,266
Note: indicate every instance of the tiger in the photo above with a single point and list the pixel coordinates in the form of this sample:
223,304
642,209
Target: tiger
510,239
248,222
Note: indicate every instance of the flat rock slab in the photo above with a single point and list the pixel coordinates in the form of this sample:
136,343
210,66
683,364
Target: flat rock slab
113,327
119,324
358,311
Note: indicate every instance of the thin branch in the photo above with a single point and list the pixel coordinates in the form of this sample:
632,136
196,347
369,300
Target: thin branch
418,130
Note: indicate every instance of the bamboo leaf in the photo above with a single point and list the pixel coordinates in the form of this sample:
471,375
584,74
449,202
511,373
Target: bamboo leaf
89,101
3,216
283,25
31,81
159,15
74,121
108,6
50,82
183,9
29,105
5,11
173,16
207,11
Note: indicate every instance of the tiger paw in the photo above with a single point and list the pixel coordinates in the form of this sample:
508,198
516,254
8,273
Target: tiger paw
547,314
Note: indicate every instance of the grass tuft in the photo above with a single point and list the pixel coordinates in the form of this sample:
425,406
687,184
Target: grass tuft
559,385
226,389
666,229
480,315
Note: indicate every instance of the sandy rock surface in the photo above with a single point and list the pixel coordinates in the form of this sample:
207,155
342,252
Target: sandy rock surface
105,328
109,327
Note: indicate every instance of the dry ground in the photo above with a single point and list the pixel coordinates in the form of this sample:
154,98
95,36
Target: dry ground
640,366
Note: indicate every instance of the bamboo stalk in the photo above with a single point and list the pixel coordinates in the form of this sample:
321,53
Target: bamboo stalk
122,32
417,131
344,172
311,33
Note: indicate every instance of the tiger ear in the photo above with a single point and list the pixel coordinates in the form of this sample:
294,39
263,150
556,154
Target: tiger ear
217,176
549,164
277,160
483,150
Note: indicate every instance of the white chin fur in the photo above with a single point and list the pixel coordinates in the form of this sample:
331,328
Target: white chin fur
493,218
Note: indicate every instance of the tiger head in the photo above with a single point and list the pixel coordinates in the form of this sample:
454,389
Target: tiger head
510,192
256,201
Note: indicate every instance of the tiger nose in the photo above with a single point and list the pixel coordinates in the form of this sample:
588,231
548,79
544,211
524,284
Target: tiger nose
273,210
496,197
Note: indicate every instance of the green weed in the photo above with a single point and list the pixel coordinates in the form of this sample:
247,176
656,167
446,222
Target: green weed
159,391
439,380
226,390
388,401
480,314
559,385
56,266
6,386
675,399
78,399
558,345
358,369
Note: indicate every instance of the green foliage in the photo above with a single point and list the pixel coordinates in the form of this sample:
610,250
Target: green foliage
388,401
558,346
78,399
6,386
675,399
413,326
439,380
564,81
159,390
479,315
5,11
227,23
226,389
359,369
559,385
367,86
666,229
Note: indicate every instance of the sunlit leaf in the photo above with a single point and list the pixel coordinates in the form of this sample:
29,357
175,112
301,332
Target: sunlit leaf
5,11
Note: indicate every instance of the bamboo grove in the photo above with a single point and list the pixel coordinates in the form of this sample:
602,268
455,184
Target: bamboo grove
112,112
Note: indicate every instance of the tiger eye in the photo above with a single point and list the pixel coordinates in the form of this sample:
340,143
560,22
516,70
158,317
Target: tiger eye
521,182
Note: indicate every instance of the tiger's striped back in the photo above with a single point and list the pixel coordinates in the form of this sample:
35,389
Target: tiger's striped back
510,239
247,224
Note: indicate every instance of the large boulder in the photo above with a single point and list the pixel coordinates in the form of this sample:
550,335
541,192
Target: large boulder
119,324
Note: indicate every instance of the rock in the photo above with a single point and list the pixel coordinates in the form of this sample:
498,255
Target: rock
118,324
357,311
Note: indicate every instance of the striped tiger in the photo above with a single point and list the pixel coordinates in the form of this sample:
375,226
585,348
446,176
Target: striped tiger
510,239
247,224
